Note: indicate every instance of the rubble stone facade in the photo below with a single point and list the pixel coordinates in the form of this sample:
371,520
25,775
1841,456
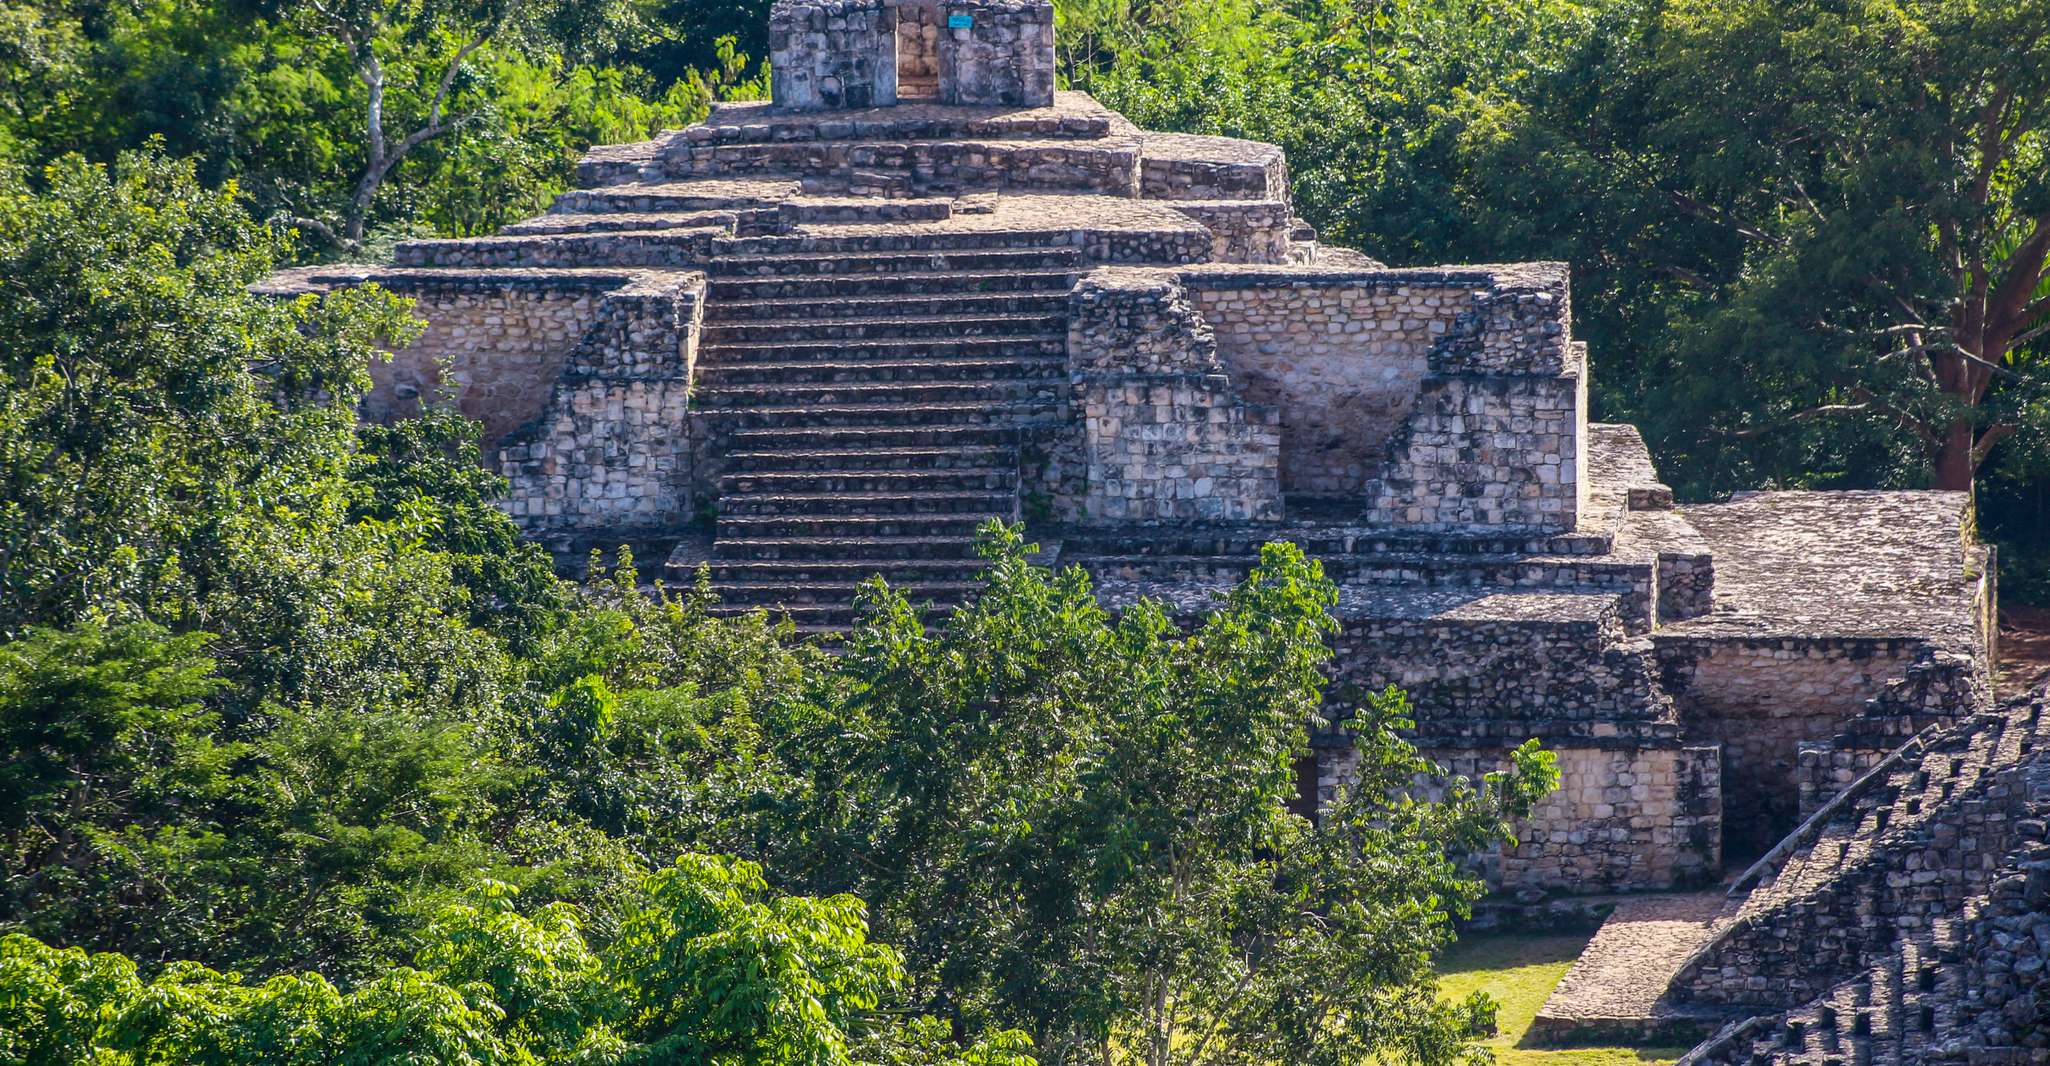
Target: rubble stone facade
825,337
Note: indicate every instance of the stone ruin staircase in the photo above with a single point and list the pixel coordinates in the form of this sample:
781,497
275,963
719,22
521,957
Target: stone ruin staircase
1916,994
874,400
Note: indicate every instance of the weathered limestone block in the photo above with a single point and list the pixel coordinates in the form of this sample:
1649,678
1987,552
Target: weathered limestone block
1624,818
1164,434
996,52
827,54
1497,438
611,451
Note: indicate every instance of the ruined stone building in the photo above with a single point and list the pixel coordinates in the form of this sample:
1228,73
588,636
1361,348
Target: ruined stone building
820,338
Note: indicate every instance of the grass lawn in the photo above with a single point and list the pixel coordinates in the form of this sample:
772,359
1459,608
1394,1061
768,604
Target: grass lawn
1519,972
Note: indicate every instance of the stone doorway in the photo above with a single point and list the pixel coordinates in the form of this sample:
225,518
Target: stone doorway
918,52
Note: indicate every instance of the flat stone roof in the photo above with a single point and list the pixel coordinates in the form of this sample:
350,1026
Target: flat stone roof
1839,564
1382,603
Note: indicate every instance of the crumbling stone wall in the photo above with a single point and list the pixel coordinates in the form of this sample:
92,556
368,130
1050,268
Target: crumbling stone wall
1481,665
495,344
610,453
1002,55
1244,231
1164,435
826,54
1499,429
1624,817
1761,699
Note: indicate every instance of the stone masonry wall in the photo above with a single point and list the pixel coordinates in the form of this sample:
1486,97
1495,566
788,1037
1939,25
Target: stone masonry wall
497,349
1761,699
1498,434
1004,55
1340,355
918,46
1440,400
829,54
611,451
1622,819
1164,435
1482,668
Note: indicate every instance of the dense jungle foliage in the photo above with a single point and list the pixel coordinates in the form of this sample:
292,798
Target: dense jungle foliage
311,759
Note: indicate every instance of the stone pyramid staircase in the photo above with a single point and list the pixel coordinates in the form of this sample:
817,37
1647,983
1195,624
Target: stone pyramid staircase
874,398
1879,916
1970,986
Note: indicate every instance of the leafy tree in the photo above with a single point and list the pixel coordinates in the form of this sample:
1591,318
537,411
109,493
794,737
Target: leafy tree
714,968
1886,170
1079,825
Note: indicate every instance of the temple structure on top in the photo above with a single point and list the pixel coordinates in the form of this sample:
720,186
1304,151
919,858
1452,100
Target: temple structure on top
875,53
824,337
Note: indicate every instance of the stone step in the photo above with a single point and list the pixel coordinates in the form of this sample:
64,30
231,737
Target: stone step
793,420
729,221
885,240
871,433
966,305
864,527
817,209
751,264
1108,167
912,458
892,327
856,285
989,393
756,121
965,479
885,350
670,196
637,248
840,571
893,547
983,503
716,376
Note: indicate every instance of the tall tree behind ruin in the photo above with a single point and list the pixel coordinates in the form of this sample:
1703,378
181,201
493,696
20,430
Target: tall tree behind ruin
1884,170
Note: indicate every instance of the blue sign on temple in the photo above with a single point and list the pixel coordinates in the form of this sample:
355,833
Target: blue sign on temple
960,22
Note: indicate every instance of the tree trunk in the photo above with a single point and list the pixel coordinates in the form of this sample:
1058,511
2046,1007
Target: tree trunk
1955,463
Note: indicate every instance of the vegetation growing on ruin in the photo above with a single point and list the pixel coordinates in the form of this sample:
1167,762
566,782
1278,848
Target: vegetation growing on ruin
311,759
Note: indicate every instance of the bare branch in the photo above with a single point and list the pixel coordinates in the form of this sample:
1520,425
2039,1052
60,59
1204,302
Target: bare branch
1983,447
1717,215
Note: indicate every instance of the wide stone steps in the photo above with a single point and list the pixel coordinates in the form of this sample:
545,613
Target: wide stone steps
894,240
799,423
954,547
899,327
746,528
672,248
982,504
774,482
839,572
931,435
739,264
886,350
970,305
901,458
991,393
912,370
751,122
671,196
725,221
826,287
1106,167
